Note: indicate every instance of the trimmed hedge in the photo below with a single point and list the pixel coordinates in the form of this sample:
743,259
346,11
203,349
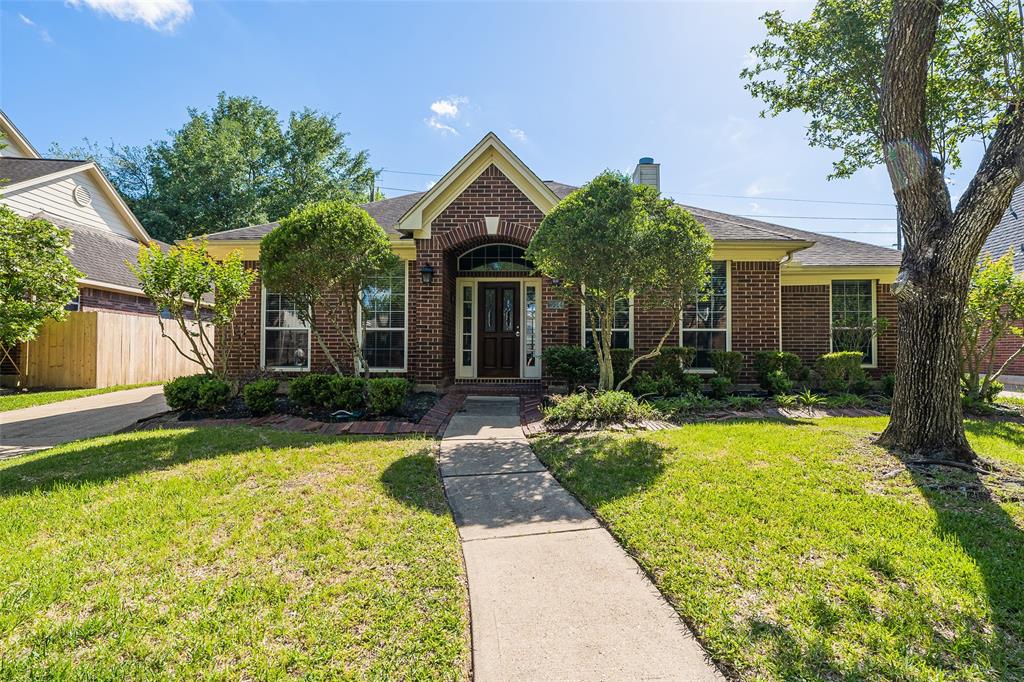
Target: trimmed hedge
768,362
841,372
727,363
198,391
260,396
570,365
621,357
606,407
386,394
329,391
673,362
214,394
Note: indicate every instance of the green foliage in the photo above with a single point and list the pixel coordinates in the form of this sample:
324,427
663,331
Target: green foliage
691,383
841,372
744,403
777,382
214,393
673,361
180,279
646,383
721,386
232,166
809,399
36,277
692,403
727,363
260,396
186,393
888,384
327,391
606,407
386,394
570,365
767,364
992,314
786,400
829,66
621,360
846,400
613,239
322,254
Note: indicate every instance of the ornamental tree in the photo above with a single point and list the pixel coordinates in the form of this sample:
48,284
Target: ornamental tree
37,279
610,240
192,289
320,256
995,307
905,83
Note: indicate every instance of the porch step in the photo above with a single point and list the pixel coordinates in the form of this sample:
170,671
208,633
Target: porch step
496,387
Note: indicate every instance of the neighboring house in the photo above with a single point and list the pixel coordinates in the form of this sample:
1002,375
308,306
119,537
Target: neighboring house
1008,235
466,307
104,235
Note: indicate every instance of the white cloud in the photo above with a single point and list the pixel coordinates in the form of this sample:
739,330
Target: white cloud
159,15
517,133
432,122
44,35
449,107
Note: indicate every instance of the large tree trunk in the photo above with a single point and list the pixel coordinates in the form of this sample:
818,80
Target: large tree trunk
941,245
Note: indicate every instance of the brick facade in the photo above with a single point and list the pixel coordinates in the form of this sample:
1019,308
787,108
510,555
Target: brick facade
754,297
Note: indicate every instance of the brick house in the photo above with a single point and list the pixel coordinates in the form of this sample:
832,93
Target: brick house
466,306
1008,235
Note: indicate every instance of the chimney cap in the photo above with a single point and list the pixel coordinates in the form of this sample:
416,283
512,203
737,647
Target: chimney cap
646,160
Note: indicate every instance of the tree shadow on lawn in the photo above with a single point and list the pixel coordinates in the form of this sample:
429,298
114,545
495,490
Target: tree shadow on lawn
69,465
413,481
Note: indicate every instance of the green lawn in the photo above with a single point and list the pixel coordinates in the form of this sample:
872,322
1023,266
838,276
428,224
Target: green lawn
16,401
229,553
800,551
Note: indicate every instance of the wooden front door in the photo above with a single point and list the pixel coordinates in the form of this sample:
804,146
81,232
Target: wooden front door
498,316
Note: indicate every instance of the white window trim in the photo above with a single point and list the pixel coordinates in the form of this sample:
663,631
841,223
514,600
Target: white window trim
874,316
77,301
405,349
728,321
263,340
513,274
584,328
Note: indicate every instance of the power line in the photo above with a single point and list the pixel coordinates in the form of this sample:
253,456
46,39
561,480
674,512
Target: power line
388,170
810,217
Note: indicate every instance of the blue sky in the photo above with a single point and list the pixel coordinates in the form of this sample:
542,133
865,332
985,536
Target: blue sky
573,88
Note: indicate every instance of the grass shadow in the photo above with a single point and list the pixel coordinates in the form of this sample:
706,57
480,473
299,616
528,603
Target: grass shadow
413,481
125,456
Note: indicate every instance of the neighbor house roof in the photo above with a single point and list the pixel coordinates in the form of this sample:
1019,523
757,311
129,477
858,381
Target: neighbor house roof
1009,233
14,170
723,227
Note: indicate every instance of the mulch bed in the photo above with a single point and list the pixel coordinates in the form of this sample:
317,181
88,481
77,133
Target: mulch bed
432,423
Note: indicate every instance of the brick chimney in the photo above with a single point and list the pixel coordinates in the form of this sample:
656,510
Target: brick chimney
648,173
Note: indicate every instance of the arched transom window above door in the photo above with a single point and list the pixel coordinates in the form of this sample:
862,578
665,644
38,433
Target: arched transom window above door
495,258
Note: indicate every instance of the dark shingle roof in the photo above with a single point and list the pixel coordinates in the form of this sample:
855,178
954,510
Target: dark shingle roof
1009,233
827,250
14,169
98,254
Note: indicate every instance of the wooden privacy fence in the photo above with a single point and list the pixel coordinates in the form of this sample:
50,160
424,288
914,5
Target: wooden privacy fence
95,349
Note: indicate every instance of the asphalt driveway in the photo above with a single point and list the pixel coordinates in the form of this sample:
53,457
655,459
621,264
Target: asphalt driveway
38,428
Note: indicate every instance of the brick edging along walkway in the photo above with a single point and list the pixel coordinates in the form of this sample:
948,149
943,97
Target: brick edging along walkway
433,423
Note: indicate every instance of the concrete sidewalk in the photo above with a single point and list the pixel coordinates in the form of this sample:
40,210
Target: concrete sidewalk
38,428
552,595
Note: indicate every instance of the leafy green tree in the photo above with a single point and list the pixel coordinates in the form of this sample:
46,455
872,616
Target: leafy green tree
180,281
905,83
37,279
320,256
610,240
995,307
232,166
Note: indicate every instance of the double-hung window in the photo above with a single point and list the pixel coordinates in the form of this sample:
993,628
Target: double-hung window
705,323
853,317
285,336
622,335
384,314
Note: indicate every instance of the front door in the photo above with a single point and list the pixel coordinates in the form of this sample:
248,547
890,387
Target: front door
498,317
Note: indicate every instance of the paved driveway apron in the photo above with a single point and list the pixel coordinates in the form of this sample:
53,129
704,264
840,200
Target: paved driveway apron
41,427
552,595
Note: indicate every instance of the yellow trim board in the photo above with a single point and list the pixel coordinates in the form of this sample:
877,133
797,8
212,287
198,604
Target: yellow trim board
804,275
489,151
757,250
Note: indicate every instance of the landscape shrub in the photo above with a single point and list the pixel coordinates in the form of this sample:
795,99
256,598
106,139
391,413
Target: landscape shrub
691,384
606,407
183,393
330,391
846,400
809,399
841,372
784,400
727,363
888,385
570,365
621,357
687,404
260,396
768,362
673,362
991,391
386,394
214,394
777,381
646,383
721,386
744,403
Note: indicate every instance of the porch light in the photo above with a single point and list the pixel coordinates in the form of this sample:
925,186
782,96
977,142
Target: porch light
427,274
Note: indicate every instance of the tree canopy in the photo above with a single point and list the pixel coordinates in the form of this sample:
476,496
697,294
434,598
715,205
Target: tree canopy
234,165
612,239
37,279
321,255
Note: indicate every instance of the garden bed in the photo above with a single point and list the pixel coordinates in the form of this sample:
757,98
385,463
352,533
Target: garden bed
413,409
